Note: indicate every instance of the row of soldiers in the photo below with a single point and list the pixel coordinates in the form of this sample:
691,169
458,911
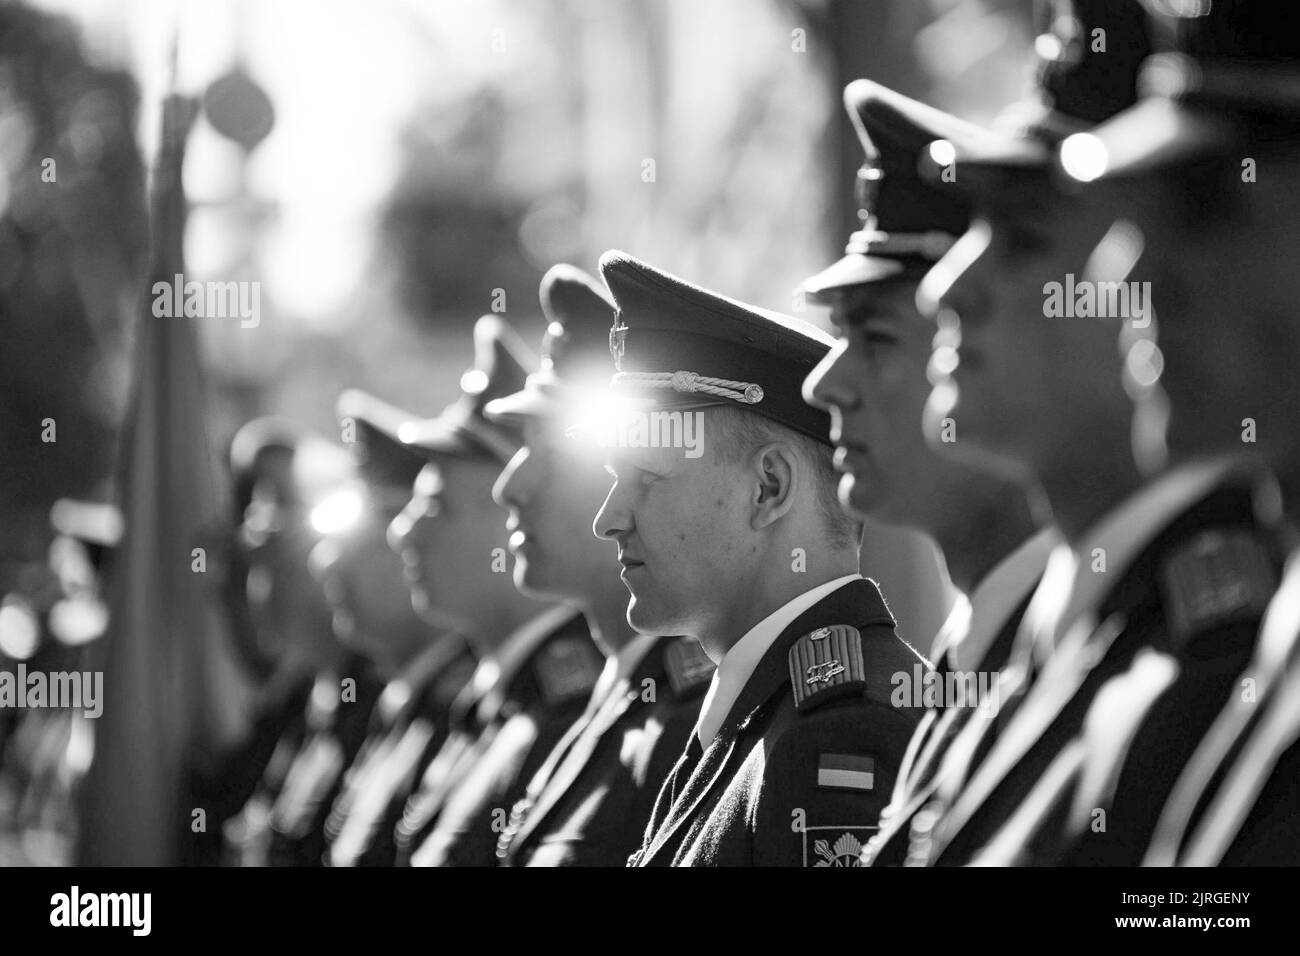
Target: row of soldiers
1063,349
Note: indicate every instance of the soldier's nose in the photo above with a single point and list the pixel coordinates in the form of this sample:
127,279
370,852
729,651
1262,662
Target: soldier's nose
612,519
825,386
948,284
399,529
505,492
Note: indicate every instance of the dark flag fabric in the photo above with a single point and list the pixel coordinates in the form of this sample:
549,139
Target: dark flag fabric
172,694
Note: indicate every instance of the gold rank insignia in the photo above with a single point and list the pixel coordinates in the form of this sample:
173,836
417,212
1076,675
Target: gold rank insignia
825,665
689,668
1217,577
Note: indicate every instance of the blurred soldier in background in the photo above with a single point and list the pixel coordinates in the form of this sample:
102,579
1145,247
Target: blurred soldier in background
424,668
874,384
1205,167
1151,564
590,801
535,670
328,688
743,546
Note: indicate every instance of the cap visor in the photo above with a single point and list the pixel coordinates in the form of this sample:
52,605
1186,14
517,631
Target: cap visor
437,436
978,170
525,403
854,269
1154,134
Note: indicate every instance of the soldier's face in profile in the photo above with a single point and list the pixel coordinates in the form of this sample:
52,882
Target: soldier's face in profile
1224,258
874,384
452,540
681,528
363,577
286,604
552,489
1025,385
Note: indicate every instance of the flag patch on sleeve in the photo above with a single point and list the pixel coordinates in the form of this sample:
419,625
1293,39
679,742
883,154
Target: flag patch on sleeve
846,772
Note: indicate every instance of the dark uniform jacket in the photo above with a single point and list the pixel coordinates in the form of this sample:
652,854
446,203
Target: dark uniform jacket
540,681
1082,770
339,717
1237,802
590,802
255,771
804,761
1003,596
411,722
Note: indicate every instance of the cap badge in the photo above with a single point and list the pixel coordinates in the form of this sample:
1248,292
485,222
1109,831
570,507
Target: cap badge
616,347
867,188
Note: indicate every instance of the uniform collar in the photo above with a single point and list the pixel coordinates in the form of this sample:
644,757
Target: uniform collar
996,597
1122,534
1070,587
622,664
740,662
419,672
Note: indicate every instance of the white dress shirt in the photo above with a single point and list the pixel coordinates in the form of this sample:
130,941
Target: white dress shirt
737,665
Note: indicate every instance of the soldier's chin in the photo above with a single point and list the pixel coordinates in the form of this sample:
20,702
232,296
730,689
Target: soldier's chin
419,599
644,618
854,495
530,579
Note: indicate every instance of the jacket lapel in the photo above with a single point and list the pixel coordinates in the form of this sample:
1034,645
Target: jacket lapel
574,762
858,603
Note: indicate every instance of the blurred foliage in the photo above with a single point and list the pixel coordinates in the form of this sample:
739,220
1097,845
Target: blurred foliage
71,254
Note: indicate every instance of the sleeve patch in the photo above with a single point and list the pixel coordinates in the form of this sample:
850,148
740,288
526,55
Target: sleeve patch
835,845
846,772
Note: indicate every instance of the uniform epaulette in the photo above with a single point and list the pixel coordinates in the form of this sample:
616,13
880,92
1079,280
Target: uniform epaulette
567,667
825,665
689,669
1217,577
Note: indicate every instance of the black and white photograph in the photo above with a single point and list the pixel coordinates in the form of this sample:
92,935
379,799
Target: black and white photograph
649,433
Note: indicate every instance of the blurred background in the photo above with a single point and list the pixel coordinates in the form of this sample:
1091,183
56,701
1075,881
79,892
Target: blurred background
388,171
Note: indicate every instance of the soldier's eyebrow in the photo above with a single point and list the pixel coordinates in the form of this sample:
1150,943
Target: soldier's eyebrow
883,307
1024,207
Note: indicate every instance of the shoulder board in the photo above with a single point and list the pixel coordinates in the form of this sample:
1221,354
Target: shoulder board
689,669
567,667
826,665
1218,577
444,689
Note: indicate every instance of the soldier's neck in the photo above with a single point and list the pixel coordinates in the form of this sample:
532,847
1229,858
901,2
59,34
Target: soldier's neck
1082,493
606,614
974,540
402,649
501,618
776,586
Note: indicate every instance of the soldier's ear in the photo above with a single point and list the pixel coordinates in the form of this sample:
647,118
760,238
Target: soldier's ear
776,466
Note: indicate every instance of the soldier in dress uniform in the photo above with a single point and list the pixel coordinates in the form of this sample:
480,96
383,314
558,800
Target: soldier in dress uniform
590,801
1206,166
875,386
729,531
537,664
281,473
423,668
1165,577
